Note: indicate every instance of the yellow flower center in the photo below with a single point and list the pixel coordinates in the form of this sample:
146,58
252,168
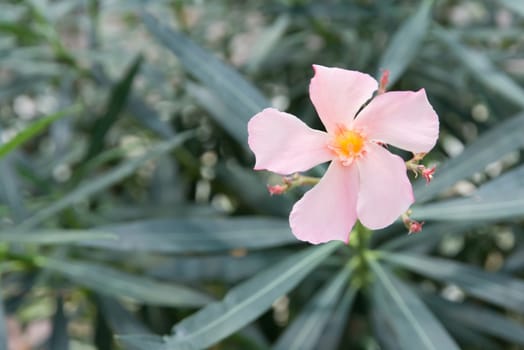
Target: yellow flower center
347,144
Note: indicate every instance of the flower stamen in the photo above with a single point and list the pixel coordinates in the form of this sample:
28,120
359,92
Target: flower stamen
347,144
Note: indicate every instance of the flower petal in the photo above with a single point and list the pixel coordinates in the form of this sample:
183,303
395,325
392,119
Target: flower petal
328,211
338,94
282,143
385,191
404,119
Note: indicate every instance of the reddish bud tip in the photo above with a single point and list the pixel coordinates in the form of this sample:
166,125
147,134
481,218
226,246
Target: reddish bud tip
428,174
384,79
276,189
415,226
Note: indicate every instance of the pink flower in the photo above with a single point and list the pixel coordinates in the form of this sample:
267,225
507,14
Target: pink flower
364,180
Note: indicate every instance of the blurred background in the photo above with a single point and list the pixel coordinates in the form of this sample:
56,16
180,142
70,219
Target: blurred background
128,201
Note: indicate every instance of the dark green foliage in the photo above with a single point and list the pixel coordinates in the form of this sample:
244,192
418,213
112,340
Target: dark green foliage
132,218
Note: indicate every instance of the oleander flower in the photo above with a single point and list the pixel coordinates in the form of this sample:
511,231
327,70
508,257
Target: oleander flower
364,179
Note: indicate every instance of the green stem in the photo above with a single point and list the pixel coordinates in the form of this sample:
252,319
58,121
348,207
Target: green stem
359,241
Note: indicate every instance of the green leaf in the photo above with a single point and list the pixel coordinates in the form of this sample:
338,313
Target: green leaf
116,103
502,198
34,129
3,325
405,43
116,283
219,111
380,322
59,337
250,189
100,183
306,329
247,301
103,336
137,108
497,288
118,318
20,85
515,6
468,338
337,324
491,146
482,69
149,117
143,342
267,42
429,237
11,190
414,325
232,89
515,261
56,236
201,234
226,268
479,318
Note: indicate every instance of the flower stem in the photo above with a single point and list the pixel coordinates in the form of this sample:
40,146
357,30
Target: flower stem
359,241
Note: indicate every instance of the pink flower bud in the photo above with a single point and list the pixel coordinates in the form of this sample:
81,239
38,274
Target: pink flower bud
415,226
428,174
384,79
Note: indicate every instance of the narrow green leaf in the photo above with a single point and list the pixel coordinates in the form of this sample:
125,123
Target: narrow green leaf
21,84
55,236
505,184
120,320
250,189
247,301
414,325
479,318
149,117
3,325
143,342
380,321
116,103
137,108
497,288
267,42
482,69
219,111
103,336
11,190
306,329
492,145
100,183
515,6
405,43
116,283
468,338
337,324
34,129
231,88
502,198
429,237
59,337
515,261
200,234
226,268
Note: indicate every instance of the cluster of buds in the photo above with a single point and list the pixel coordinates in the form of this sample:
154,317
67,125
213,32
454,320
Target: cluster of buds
292,181
413,226
419,169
